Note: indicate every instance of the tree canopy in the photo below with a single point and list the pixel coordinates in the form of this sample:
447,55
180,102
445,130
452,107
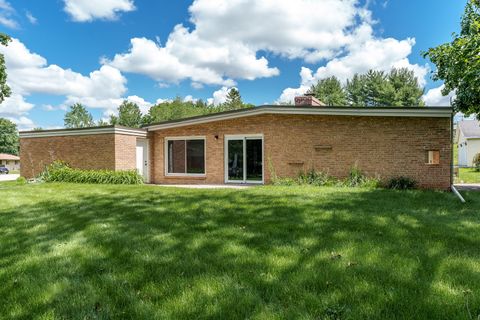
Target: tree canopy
8,137
399,88
458,62
129,115
4,88
78,117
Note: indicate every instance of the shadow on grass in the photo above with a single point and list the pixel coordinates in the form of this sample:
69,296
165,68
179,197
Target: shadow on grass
144,252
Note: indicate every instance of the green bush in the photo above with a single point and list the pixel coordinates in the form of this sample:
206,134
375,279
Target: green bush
401,183
61,172
21,180
476,162
356,178
316,178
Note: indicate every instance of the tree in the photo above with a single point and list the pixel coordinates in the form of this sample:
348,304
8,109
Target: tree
129,115
406,90
102,123
78,117
458,62
234,100
8,137
398,88
4,88
330,92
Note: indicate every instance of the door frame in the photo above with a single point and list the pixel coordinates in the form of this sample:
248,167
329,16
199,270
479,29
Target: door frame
145,142
243,137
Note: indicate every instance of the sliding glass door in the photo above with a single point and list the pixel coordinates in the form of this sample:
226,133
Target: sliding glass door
244,159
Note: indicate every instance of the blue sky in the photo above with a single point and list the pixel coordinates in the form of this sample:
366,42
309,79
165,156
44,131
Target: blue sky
99,54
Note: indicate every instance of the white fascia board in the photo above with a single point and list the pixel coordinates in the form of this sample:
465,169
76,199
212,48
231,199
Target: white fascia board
83,132
357,112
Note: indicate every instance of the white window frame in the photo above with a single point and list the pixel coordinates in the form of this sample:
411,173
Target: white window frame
243,137
167,139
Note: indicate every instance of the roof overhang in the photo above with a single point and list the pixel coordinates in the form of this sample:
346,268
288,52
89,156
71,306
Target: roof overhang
84,132
423,112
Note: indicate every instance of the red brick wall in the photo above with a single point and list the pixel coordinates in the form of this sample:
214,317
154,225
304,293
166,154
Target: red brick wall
101,151
380,146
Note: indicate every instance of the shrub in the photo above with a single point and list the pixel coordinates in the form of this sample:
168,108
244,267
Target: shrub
21,180
316,178
401,183
476,162
62,172
356,178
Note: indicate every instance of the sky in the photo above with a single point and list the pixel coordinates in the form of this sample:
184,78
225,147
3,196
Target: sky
100,53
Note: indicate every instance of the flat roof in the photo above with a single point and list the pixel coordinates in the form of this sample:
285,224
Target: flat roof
435,112
113,129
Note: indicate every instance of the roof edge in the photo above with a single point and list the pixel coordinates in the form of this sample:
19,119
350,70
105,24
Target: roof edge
113,129
434,112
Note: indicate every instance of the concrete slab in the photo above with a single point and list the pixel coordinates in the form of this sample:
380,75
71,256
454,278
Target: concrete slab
468,186
9,177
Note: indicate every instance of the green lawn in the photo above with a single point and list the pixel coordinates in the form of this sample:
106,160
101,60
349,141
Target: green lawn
468,175
143,252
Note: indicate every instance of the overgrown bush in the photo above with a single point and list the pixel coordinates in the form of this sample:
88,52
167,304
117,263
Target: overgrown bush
21,180
401,183
317,178
356,178
61,172
476,162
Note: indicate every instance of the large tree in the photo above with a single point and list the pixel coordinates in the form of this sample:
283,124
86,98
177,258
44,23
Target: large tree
4,88
330,91
129,115
234,100
458,62
398,88
78,117
8,137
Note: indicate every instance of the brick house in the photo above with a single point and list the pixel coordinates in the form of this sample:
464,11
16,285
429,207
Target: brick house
251,145
10,161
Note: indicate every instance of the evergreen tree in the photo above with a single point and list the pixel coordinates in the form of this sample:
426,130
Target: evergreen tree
330,91
129,115
78,117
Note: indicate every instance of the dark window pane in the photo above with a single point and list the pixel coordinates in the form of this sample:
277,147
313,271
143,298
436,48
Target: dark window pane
196,156
254,160
235,159
176,156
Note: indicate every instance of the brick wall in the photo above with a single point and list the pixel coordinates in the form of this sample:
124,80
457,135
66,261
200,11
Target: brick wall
100,151
380,146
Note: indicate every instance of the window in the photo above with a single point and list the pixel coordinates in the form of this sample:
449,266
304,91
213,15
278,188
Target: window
185,156
433,157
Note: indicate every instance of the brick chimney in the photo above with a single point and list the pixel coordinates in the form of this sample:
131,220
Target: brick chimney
308,100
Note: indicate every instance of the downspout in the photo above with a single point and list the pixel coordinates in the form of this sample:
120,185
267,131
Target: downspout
454,190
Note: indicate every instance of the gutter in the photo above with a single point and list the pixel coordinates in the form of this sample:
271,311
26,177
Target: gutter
455,191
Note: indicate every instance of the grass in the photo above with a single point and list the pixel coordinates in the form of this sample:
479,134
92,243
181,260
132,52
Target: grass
141,252
468,175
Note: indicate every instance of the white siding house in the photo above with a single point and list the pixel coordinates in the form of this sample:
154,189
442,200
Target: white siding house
468,141
10,161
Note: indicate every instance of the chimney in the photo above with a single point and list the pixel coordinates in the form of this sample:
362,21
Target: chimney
308,100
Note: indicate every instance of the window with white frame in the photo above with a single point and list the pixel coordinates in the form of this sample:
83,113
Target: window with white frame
185,156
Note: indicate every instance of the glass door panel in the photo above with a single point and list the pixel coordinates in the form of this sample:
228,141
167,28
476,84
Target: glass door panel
235,160
254,160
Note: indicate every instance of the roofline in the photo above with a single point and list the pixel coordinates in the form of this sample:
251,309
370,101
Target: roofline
428,112
116,129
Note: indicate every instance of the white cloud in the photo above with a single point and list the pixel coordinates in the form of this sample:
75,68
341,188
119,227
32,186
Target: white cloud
23,123
6,15
88,10
367,52
230,40
30,73
15,105
31,18
219,96
434,97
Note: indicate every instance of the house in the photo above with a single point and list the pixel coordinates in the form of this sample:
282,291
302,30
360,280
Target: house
256,144
10,161
467,138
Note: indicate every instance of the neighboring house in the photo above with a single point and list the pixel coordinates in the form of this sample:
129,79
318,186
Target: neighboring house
467,138
10,161
257,144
